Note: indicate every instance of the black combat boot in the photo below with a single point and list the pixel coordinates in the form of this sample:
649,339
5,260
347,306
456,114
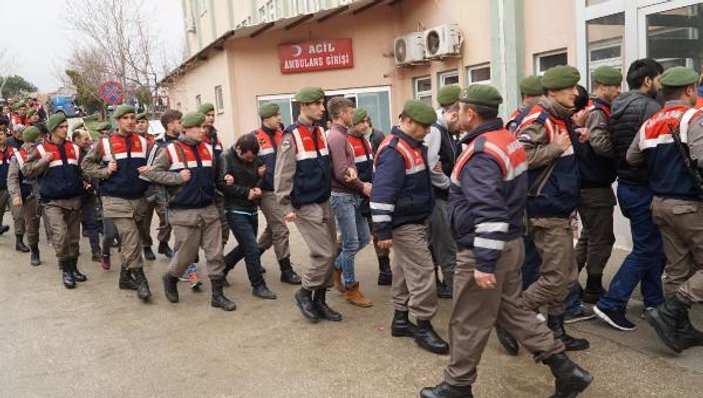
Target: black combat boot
165,249
149,254
288,275
19,244
4,228
143,291
218,297
303,298
427,338
570,379
594,289
321,307
69,282
666,319
77,275
556,324
126,280
170,287
401,325
687,334
385,276
507,341
34,258
446,390
262,291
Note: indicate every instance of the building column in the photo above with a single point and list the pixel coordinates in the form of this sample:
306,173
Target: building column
507,54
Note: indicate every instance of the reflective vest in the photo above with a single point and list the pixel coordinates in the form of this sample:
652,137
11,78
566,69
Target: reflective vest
62,179
25,184
130,154
558,194
268,146
5,157
199,191
312,182
668,177
363,156
486,229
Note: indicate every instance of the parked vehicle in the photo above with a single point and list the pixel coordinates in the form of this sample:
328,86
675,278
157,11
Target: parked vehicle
64,104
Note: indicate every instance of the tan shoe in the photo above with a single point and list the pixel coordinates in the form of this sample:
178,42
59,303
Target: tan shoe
355,297
338,285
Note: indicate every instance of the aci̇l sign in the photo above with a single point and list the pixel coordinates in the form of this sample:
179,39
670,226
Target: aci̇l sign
316,55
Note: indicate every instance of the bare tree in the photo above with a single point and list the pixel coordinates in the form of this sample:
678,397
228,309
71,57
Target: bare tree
7,67
122,37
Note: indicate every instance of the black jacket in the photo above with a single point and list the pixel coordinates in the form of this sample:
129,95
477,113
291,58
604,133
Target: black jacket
246,177
630,110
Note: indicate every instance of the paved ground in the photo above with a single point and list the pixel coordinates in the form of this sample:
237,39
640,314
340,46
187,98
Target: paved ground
98,341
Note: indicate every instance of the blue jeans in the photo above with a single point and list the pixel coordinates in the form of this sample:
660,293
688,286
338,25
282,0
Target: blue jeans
531,264
354,231
646,262
245,227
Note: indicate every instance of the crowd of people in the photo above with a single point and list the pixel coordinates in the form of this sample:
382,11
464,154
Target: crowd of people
487,203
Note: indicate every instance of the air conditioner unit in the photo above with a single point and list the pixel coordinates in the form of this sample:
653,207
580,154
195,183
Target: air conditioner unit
442,41
408,49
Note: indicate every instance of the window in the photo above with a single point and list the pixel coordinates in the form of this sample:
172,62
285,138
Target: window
448,78
605,42
262,14
422,89
548,60
271,10
198,101
219,103
479,74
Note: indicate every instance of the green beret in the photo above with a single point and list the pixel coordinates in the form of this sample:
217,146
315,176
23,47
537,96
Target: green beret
30,112
103,126
448,95
307,95
54,120
560,77
420,112
607,75
206,107
16,106
31,134
679,76
77,126
143,116
482,94
531,85
268,109
123,110
194,119
358,116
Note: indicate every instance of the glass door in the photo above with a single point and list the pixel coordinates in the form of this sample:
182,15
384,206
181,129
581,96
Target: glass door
672,33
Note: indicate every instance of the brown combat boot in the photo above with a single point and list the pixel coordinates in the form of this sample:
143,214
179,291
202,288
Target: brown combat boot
355,297
337,277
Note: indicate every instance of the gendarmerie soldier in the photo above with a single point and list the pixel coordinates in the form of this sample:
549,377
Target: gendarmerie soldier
211,137
23,193
487,203
530,91
303,182
442,152
187,167
401,201
117,161
276,233
669,144
55,163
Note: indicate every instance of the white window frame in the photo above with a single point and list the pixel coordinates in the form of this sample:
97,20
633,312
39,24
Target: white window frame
202,6
537,57
198,101
219,100
271,11
472,68
419,95
443,76
262,14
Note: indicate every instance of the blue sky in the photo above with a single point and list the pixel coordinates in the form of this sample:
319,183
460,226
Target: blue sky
36,34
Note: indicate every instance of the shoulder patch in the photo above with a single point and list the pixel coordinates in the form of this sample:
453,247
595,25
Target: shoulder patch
285,146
